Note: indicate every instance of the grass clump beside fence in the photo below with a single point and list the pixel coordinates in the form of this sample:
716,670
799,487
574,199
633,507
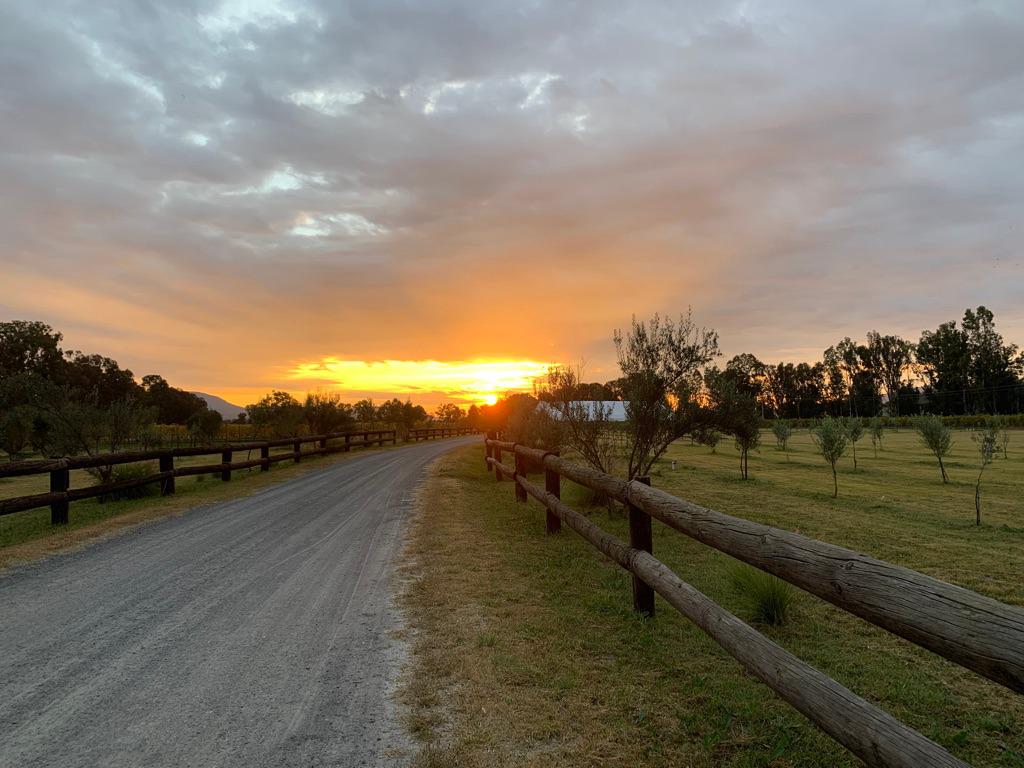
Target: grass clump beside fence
769,600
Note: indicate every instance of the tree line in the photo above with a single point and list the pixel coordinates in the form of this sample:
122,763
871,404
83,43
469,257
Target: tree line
60,402
670,388
952,370
66,402
279,414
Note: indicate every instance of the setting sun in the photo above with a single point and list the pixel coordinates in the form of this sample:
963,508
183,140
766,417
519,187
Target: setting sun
468,382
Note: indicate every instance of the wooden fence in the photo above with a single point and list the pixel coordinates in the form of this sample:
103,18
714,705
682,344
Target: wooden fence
61,494
434,433
976,632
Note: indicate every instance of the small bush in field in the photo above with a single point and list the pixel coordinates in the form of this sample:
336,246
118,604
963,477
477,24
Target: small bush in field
122,472
782,432
769,598
708,436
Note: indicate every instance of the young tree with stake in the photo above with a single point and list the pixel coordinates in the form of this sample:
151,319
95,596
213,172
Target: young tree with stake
854,428
877,432
985,439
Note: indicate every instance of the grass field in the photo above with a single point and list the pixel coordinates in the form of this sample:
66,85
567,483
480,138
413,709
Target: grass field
28,535
528,653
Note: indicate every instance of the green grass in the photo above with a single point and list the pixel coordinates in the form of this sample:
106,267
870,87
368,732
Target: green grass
569,676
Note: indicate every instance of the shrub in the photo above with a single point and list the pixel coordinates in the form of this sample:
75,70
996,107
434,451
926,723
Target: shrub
122,472
937,438
707,435
769,598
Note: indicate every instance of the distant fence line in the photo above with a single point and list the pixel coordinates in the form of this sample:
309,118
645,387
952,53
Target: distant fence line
434,433
61,494
976,632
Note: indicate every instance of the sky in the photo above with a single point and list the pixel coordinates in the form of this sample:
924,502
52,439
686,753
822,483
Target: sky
438,199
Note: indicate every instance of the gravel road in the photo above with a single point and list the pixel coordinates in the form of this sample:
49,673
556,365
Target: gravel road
257,632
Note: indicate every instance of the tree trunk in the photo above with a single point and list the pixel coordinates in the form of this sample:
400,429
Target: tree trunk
835,483
942,469
977,499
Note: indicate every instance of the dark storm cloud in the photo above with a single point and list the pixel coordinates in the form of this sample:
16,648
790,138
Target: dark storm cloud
273,170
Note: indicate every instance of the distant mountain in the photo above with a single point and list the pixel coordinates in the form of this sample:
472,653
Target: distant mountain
228,410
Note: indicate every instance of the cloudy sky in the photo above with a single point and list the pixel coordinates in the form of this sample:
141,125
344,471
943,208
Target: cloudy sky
259,193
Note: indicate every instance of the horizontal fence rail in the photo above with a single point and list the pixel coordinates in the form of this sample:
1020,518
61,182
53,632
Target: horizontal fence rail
974,631
61,494
435,433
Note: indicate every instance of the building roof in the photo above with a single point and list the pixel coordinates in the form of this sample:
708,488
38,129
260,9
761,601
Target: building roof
615,410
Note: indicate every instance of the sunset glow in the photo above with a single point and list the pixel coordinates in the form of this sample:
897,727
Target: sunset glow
429,381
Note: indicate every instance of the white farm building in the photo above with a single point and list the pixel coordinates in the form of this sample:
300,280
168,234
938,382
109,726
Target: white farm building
615,409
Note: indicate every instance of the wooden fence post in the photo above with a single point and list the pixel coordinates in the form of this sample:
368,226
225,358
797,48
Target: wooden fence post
225,458
520,467
553,485
640,537
348,441
167,484
497,458
323,445
60,481
487,455
298,451
265,458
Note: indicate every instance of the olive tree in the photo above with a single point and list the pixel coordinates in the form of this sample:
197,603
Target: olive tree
661,362
937,438
877,433
736,412
831,439
782,432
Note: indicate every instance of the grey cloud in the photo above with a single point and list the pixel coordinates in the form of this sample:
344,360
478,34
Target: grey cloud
766,163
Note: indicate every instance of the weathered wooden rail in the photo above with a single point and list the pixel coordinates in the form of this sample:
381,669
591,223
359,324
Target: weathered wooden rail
61,494
436,433
976,632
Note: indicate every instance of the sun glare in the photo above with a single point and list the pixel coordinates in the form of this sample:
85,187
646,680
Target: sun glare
468,382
